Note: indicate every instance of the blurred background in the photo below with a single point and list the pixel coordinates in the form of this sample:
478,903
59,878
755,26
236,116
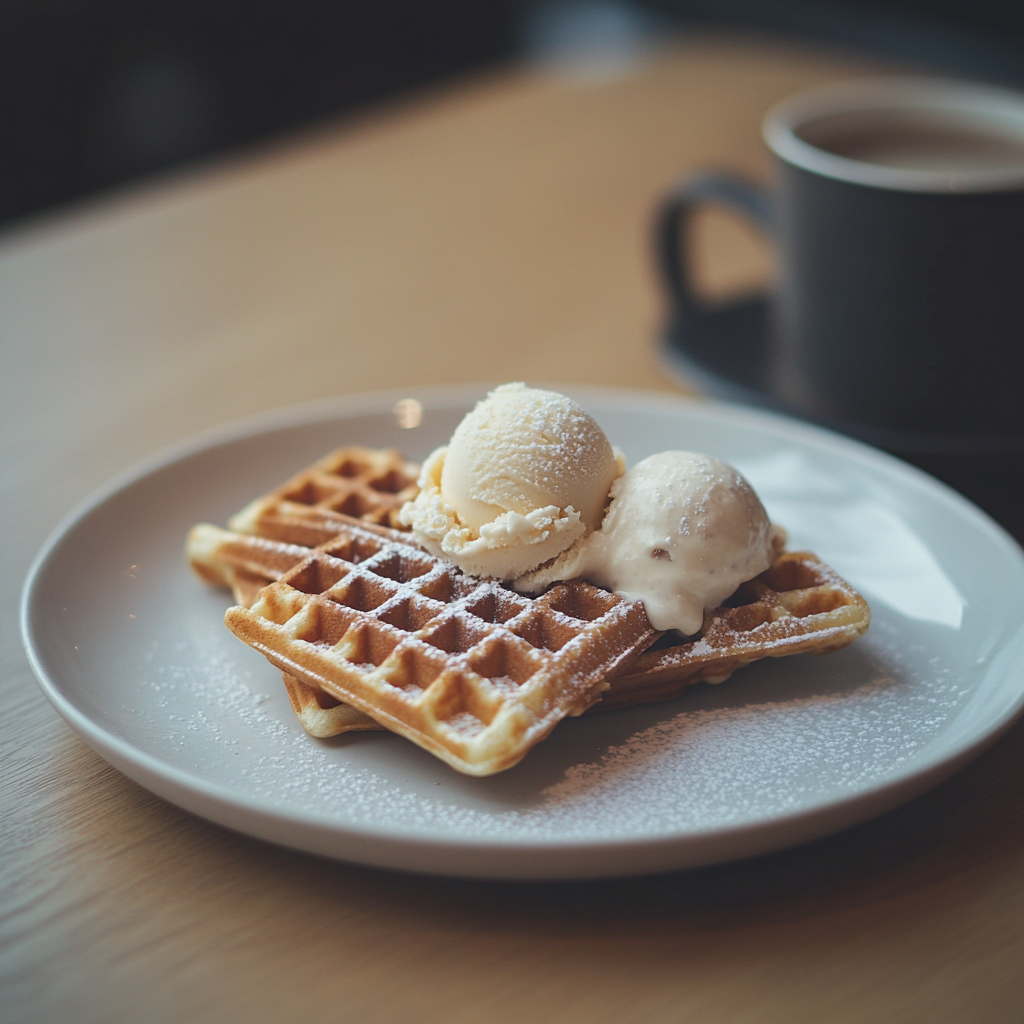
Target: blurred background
94,93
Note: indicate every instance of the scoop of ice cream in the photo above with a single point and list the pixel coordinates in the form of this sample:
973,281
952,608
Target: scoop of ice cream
522,449
526,474
683,531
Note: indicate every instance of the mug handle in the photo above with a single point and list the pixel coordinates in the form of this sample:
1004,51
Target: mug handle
673,226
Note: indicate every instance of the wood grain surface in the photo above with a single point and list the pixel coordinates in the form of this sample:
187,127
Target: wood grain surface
497,230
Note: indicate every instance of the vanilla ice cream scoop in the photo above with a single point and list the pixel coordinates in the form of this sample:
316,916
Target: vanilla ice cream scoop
683,531
525,475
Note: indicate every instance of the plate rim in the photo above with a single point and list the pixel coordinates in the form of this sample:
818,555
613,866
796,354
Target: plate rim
525,857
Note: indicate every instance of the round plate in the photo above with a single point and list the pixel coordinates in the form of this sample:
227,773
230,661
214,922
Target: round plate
129,646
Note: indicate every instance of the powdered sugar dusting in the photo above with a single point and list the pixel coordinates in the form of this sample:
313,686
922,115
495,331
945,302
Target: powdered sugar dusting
523,448
728,763
713,759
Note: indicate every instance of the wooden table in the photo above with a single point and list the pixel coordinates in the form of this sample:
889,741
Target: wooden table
497,230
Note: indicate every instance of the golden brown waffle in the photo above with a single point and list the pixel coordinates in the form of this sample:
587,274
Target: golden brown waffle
353,482
473,673
799,605
240,561
322,715
246,564
367,484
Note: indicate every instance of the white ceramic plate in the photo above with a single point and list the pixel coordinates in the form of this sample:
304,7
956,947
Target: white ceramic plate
129,647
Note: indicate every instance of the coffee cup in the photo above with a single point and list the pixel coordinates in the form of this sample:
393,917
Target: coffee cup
898,312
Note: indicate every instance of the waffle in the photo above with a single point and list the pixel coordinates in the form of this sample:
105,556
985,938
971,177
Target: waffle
367,484
322,715
470,671
799,605
246,564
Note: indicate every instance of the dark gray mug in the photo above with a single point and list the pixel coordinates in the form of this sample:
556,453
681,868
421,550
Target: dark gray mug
898,216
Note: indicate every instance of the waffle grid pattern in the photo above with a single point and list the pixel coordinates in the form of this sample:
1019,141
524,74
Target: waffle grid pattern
470,671
353,482
798,605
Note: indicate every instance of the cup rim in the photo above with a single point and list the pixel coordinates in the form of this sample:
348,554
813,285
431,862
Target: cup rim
906,93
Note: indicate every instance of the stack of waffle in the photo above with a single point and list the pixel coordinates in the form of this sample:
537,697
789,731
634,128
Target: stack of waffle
372,632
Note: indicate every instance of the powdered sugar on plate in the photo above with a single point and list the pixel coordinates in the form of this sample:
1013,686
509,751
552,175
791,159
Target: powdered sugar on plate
772,741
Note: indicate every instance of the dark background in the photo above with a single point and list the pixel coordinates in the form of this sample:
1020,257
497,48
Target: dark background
97,92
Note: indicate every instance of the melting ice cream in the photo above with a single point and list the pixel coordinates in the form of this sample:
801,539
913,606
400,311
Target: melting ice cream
683,531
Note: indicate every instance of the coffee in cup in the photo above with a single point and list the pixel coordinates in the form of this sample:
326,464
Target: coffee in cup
898,216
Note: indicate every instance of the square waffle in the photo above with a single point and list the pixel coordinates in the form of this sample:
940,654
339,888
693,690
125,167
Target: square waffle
799,605
470,671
